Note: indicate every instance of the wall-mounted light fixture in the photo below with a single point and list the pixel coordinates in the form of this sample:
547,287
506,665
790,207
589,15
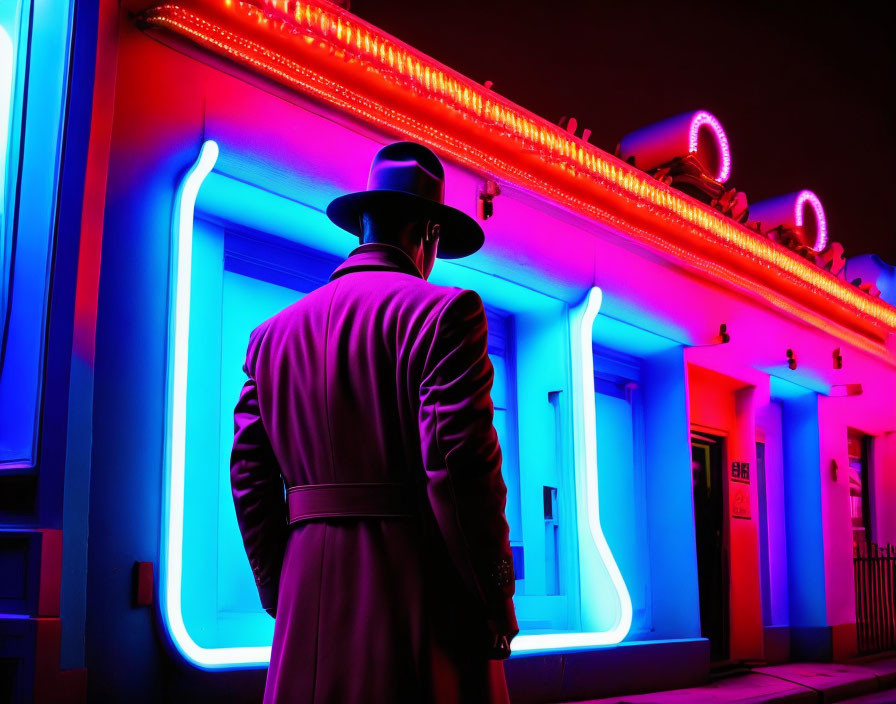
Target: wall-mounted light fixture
485,205
724,337
791,359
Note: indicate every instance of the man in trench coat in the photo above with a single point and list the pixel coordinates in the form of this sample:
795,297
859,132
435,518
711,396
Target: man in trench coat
387,563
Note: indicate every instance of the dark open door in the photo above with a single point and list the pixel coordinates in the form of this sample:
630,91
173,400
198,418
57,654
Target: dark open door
707,455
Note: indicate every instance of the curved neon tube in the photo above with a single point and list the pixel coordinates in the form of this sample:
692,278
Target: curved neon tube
172,565
804,197
173,523
700,119
581,330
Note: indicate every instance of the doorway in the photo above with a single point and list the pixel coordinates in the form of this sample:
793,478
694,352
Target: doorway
708,481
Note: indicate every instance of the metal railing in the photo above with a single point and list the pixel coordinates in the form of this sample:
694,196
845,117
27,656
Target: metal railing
875,580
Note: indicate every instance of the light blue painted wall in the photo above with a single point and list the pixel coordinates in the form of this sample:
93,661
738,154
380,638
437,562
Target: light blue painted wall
802,498
246,303
670,512
545,452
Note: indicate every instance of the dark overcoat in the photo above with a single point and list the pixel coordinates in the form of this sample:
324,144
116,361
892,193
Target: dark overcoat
377,376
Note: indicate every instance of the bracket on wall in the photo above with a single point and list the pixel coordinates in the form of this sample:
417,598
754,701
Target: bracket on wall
485,206
791,359
838,359
724,337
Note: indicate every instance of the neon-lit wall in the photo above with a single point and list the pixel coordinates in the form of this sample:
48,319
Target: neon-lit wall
273,188
605,339
723,406
616,561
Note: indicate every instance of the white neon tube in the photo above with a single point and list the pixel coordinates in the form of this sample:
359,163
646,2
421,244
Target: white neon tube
178,339
582,319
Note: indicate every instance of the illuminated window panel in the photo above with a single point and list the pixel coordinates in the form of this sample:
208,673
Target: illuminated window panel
260,276
11,447
642,440
229,275
34,71
620,456
8,25
500,351
7,69
236,280
246,303
540,558
10,19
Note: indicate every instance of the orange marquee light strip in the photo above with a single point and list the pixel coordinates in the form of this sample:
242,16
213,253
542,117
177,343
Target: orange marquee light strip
325,52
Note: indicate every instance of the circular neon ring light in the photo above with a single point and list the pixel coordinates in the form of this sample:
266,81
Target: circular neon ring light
809,198
701,119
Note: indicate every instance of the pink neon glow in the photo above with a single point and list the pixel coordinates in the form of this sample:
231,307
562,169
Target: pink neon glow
821,238
704,118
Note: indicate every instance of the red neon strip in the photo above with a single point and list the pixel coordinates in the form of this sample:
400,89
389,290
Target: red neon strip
331,55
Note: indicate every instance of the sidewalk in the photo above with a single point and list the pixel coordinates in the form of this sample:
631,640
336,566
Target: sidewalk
812,683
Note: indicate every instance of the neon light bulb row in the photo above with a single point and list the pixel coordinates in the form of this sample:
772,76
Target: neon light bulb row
438,83
435,81
618,178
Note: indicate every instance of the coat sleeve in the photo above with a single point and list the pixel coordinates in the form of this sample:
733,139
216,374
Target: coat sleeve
257,487
462,457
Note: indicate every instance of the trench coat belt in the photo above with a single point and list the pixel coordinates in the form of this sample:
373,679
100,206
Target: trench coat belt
350,500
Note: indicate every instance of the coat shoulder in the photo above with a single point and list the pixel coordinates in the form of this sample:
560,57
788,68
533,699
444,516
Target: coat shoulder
446,305
422,304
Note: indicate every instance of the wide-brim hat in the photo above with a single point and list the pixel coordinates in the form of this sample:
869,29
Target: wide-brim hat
408,177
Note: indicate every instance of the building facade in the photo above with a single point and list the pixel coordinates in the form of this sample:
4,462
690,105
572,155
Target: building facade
698,417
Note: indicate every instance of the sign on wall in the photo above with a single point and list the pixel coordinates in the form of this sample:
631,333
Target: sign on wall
740,490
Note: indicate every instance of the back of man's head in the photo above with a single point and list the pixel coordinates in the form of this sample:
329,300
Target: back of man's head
391,227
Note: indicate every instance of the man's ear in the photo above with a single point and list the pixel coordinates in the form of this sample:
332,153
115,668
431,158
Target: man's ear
431,231
361,227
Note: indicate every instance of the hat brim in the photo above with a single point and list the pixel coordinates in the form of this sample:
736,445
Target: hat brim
459,234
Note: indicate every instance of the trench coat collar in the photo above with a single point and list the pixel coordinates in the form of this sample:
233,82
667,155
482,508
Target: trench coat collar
377,256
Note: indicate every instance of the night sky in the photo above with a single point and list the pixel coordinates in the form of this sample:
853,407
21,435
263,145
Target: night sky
806,92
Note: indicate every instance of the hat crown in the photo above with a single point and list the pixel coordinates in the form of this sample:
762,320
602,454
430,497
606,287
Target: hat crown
408,179
408,168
